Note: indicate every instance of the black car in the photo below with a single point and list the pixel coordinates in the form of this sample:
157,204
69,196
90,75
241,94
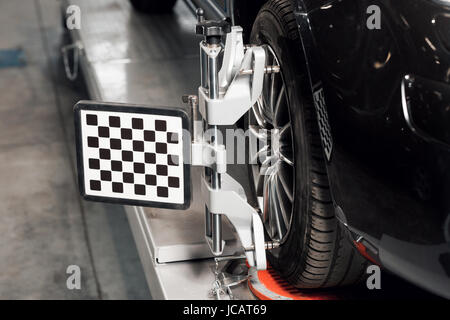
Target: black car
362,108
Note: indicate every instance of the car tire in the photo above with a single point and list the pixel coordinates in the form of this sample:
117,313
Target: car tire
314,251
153,6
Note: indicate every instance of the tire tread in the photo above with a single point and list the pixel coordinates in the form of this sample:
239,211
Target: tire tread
329,258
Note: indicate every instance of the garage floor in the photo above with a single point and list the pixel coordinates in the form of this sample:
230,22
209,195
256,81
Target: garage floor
44,226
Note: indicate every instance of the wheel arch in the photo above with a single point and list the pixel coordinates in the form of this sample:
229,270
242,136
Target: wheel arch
312,68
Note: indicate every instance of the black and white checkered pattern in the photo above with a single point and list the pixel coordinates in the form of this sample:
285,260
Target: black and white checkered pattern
324,125
132,156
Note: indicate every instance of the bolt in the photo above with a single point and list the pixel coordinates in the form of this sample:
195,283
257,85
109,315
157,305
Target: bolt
200,14
269,245
189,98
268,70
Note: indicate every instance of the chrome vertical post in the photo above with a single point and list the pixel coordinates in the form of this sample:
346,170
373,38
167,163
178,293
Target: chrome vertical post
213,85
210,49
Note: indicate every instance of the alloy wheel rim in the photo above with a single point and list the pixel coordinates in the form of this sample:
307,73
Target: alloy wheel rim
272,156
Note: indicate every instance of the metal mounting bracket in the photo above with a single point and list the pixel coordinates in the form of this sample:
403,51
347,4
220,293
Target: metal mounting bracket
230,200
76,48
238,90
223,98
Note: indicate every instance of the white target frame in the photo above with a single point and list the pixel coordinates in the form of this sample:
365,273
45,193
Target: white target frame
133,154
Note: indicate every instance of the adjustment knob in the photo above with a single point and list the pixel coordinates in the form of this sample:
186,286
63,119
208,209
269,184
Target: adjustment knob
213,30
200,14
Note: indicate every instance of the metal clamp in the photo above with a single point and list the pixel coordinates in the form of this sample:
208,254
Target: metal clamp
77,47
230,200
224,281
239,88
223,97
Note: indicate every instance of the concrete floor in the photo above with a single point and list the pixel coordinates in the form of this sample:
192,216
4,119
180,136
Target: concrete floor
44,226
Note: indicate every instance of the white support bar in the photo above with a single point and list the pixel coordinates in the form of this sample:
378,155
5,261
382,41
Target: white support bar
231,201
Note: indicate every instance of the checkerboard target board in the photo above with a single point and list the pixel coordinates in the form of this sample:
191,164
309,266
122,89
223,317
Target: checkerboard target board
132,154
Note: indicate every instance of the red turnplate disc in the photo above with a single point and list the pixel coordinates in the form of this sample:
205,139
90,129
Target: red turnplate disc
268,285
